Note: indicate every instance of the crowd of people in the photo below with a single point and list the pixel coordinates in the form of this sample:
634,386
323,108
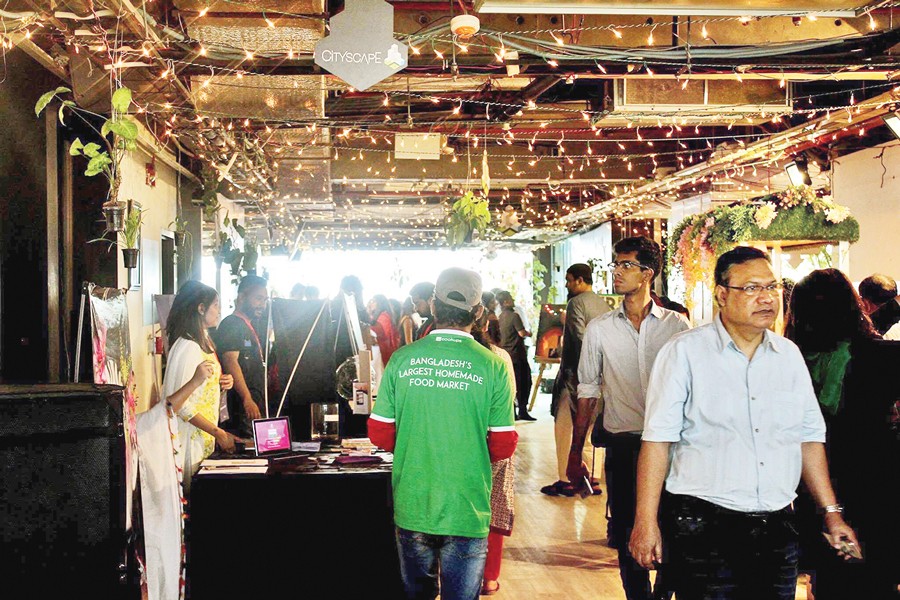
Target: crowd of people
727,446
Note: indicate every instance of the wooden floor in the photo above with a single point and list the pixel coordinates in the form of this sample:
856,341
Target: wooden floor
558,547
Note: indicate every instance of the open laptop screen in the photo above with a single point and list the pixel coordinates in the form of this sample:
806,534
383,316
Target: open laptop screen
272,436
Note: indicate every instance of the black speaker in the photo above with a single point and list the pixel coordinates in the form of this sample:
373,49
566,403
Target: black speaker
62,496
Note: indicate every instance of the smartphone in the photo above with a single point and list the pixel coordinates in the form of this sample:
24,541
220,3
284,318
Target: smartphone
848,548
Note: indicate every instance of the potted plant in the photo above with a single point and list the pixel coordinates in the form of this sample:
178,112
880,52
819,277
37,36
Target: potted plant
131,236
119,134
180,230
467,215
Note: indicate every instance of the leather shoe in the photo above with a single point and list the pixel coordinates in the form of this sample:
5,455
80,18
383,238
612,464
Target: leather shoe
524,417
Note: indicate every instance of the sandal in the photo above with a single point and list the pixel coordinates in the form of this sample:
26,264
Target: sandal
559,488
486,591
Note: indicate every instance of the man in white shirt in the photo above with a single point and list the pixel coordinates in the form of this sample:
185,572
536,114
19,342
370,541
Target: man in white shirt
732,423
616,359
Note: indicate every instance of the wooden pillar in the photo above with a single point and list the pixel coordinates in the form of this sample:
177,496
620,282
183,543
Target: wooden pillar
53,275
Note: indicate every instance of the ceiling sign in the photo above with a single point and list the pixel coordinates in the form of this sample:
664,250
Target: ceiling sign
361,49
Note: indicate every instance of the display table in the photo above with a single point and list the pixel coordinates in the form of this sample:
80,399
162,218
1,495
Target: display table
315,534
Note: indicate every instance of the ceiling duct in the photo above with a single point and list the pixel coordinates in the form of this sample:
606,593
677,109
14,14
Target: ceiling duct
722,8
700,100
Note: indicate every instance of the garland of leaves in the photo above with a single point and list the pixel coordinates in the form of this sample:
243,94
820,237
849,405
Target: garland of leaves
798,213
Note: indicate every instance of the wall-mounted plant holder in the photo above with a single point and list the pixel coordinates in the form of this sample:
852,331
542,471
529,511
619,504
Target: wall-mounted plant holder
114,213
130,257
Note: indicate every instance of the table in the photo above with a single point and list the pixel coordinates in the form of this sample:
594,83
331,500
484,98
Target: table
320,534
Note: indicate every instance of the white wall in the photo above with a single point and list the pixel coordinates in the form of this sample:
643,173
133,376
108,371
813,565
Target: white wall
160,206
596,244
874,201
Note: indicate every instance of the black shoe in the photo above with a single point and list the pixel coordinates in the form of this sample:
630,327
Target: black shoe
559,488
524,417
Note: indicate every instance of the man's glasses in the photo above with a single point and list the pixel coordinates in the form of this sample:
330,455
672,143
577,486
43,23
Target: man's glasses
625,264
754,290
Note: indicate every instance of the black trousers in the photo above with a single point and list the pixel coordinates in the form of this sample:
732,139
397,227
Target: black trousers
621,487
712,553
522,372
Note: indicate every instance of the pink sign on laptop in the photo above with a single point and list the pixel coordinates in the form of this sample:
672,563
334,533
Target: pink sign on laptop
272,436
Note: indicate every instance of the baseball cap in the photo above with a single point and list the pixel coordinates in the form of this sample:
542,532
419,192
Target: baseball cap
459,288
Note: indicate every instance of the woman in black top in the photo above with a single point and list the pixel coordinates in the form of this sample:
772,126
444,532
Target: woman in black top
854,373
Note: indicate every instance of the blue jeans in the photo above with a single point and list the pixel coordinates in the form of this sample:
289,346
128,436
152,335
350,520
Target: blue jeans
712,553
458,560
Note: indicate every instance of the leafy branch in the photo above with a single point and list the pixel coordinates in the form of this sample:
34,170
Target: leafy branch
122,130
467,215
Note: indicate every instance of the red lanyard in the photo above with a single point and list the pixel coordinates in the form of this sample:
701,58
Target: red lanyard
255,336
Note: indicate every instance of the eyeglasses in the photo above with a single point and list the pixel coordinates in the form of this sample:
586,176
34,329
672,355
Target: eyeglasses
754,290
625,264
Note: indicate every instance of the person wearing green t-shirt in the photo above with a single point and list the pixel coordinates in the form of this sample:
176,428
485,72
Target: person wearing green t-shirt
444,408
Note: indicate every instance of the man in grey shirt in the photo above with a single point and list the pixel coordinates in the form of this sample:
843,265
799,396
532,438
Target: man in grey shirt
732,423
512,339
583,306
616,359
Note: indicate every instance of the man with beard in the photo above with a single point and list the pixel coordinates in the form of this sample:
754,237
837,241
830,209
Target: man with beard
582,307
420,295
616,358
240,351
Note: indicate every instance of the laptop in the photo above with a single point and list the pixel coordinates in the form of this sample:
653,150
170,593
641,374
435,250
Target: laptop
272,437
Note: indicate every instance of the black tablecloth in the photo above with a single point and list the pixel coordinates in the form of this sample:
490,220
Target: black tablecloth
311,535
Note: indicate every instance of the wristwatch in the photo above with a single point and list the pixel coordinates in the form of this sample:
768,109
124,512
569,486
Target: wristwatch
833,508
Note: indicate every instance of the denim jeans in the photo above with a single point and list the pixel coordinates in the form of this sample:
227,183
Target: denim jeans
458,561
712,553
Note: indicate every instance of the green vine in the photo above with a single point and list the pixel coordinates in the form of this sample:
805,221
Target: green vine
467,215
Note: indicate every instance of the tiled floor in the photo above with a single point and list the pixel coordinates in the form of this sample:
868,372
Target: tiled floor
558,546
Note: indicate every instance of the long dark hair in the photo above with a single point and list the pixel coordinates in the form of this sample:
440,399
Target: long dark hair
185,320
825,309
382,304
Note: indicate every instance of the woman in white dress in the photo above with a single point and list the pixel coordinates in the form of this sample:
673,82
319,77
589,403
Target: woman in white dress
194,381
176,433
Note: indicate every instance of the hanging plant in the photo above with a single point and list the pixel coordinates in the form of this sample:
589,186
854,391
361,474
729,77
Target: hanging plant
467,215
119,134
209,200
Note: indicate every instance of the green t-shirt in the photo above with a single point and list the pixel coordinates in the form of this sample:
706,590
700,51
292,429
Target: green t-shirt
444,392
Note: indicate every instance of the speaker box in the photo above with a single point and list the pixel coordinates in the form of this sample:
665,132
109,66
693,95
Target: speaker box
62,498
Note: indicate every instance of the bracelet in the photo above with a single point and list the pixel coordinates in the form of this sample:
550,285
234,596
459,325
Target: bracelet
833,508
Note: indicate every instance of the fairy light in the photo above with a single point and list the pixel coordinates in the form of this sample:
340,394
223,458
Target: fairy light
704,33
617,33
204,11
